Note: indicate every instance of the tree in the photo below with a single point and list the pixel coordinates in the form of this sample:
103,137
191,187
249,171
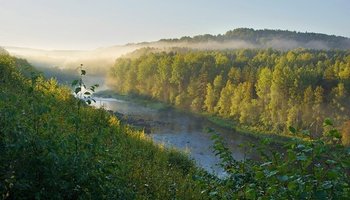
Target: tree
263,86
210,100
318,110
234,75
224,103
308,102
279,95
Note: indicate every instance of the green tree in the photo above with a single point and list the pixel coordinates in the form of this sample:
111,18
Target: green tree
224,103
263,86
308,102
210,99
318,111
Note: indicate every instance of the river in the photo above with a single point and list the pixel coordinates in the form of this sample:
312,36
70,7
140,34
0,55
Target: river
183,131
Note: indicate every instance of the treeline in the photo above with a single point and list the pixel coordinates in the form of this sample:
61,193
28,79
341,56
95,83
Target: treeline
267,90
265,38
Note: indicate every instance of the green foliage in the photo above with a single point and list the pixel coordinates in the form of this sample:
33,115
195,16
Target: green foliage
52,149
265,90
311,170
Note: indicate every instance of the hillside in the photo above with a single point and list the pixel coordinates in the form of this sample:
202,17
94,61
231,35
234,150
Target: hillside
276,39
54,147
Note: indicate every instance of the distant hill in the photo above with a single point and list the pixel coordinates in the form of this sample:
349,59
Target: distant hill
100,60
266,38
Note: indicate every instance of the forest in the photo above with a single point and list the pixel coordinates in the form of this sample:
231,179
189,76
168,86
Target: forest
54,146
262,90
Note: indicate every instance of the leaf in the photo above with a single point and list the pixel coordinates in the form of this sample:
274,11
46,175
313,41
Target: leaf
266,141
302,157
77,90
75,82
292,185
332,174
259,175
265,164
306,132
327,122
292,129
272,173
283,178
329,161
327,185
250,193
213,193
321,194
336,134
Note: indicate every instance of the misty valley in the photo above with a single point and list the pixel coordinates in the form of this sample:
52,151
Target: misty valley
249,114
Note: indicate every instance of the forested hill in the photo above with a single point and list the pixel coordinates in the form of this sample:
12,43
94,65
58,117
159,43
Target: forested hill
280,39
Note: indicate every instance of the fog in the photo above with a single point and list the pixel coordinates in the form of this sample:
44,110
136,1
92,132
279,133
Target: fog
280,44
283,44
100,59
98,62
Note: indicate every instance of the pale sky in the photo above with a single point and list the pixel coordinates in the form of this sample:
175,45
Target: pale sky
89,24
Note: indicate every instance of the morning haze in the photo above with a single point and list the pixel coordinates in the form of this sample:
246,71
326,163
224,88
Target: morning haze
226,99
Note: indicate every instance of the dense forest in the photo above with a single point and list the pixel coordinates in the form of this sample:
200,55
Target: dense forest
281,39
263,90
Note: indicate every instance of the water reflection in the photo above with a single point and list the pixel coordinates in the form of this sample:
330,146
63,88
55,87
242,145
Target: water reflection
181,130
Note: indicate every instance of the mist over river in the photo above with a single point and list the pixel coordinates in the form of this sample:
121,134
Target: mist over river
183,131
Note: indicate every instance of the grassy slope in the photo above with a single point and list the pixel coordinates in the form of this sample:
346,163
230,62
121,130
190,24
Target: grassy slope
51,148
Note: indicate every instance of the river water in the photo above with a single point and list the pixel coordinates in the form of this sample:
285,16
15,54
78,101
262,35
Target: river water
183,131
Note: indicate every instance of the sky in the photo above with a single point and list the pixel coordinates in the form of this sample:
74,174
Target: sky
90,24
